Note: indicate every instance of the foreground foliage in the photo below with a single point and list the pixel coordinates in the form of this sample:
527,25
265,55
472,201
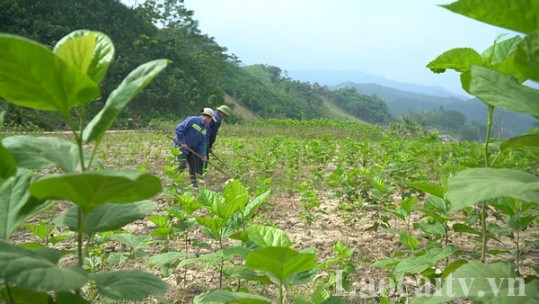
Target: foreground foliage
459,212
66,80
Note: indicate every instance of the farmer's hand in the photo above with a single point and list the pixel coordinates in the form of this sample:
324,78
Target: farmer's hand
183,146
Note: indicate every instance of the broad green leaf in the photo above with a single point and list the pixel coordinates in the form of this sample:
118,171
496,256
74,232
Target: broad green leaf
303,277
225,209
251,207
218,205
520,222
77,49
134,242
501,57
225,296
343,251
386,263
40,230
437,204
408,240
106,217
160,220
459,59
91,52
214,224
54,86
462,228
527,56
236,251
322,296
7,163
235,192
266,236
502,90
479,184
44,152
16,204
91,189
435,228
8,167
494,283
319,295
208,199
239,272
24,296
400,213
527,140
210,259
428,187
281,262
28,269
188,203
500,51
167,258
521,16
69,298
408,204
417,264
120,97
128,284
333,300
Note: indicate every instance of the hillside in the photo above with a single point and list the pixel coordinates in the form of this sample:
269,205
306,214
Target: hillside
202,74
265,92
400,102
333,78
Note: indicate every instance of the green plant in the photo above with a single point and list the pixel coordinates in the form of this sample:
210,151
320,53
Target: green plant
67,80
496,78
275,258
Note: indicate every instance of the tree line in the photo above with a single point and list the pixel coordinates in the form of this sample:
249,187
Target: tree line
201,72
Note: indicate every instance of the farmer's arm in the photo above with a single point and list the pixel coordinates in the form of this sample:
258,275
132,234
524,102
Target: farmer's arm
213,134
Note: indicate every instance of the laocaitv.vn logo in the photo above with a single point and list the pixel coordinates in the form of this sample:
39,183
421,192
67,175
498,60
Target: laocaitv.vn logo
447,287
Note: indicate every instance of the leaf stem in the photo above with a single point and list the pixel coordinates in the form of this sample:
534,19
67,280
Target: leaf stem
10,296
484,204
487,139
79,236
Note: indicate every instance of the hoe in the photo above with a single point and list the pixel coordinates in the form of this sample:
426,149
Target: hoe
211,164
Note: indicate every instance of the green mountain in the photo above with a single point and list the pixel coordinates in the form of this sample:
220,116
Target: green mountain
400,102
201,73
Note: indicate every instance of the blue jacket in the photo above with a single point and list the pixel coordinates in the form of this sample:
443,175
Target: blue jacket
193,132
214,127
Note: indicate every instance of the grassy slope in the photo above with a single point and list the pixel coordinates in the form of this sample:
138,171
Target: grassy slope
240,110
335,112
246,114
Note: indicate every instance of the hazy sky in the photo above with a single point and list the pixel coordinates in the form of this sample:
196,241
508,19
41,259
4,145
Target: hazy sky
395,39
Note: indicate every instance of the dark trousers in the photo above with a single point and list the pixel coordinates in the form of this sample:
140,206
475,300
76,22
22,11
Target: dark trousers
195,166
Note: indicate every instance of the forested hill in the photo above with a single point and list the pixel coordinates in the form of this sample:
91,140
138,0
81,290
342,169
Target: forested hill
201,72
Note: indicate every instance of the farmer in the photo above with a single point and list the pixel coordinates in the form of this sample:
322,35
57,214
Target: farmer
192,136
218,115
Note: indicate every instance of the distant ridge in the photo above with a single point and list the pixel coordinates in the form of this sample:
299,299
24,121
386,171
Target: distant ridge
336,77
399,101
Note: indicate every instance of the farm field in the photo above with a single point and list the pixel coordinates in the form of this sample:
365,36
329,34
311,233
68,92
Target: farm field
304,211
359,200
